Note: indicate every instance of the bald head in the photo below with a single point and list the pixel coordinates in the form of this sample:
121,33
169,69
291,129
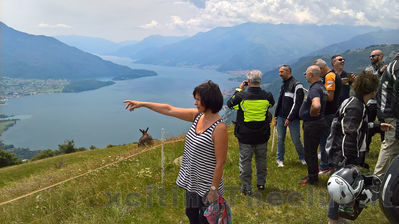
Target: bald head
313,73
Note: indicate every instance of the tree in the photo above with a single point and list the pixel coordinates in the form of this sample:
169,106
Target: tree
44,154
8,159
67,147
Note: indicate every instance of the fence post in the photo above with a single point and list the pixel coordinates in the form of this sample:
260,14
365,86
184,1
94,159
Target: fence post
162,156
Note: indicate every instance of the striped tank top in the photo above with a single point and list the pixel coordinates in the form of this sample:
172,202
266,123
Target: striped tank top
199,161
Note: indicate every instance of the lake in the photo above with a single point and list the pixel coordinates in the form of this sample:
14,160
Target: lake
99,118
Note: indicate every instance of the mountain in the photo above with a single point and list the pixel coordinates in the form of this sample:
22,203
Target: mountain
146,47
42,57
93,45
251,45
361,41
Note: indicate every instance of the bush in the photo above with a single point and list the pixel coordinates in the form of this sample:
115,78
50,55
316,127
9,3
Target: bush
8,159
67,147
44,154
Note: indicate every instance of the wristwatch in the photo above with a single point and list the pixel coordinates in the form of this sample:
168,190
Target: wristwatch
213,188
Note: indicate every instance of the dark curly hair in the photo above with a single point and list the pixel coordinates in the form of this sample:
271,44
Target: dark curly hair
211,96
365,83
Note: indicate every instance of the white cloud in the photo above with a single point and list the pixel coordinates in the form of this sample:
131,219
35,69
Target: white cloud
135,19
59,25
232,12
151,25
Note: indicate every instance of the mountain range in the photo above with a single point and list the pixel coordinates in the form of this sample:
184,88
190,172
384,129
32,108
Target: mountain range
253,45
36,56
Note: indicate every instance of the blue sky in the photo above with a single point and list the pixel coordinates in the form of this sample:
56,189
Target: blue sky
119,20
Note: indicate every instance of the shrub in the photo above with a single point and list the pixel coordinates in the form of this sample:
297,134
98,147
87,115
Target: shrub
8,159
45,154
67,147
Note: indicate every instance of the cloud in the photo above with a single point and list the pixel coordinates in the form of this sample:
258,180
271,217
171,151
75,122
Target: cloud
346,12
151,25
59,25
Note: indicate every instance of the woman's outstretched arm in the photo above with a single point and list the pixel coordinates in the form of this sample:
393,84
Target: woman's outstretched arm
187,114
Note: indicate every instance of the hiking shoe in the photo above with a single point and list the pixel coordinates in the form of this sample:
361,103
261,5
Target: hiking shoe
307,181
326,171
280,163
303,162
261,187
246,192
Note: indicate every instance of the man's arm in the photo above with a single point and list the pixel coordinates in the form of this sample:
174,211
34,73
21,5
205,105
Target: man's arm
315,107
298,99
330,85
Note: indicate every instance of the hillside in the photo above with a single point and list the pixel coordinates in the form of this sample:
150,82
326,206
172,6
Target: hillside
122,184
251,45
146,47
361,41
42,57
93,45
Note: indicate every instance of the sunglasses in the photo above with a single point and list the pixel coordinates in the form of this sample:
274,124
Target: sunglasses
374,55
341,59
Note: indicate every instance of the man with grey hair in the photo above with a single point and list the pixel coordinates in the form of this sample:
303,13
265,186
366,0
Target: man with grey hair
333,84
252,128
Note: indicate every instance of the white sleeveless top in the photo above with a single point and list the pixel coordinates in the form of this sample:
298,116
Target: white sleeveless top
199,161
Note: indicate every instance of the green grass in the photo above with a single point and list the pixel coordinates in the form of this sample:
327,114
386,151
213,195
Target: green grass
131,191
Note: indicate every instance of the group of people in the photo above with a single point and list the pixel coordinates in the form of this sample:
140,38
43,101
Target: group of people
333,121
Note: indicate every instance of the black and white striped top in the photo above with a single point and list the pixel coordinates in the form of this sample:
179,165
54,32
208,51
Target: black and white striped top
199,161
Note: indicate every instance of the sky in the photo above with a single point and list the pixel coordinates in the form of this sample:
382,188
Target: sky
120,20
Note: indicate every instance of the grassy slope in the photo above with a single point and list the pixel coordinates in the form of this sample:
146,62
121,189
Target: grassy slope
131,191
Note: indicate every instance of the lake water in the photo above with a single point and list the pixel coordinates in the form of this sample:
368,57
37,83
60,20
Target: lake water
99,117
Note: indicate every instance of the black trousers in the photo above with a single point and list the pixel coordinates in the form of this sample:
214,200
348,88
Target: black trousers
195,207
312,131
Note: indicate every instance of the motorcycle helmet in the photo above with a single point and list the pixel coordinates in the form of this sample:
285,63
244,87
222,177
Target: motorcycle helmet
389,192
345,184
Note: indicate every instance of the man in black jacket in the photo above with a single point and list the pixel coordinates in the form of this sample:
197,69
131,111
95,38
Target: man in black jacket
388,104
349,129
287,114
252,129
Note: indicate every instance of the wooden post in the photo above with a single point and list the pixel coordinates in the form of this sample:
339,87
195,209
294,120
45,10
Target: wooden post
162,156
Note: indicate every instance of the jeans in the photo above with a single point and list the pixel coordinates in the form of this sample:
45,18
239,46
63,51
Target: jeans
326,132
295,132
389,149
245,167
312,131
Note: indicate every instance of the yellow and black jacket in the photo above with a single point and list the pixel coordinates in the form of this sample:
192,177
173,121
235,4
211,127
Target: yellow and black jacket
252,125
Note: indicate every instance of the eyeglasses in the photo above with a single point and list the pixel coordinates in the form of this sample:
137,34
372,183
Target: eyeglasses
374,55
341,59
